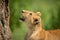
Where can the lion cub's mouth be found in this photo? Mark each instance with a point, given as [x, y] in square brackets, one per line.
[22, 19]
[35, 23]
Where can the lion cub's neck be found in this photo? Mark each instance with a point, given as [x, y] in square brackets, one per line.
[32, 28]
[35, 27]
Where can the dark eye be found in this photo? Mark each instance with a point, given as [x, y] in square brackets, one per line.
[30, 14]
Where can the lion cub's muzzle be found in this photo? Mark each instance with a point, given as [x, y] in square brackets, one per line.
[22, 18]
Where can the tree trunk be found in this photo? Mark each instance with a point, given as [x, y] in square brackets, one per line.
[5, 33]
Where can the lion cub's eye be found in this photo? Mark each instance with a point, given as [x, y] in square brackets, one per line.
[30, 14]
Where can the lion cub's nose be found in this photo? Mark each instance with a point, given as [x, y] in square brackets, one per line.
[23, 11]
[35, 19]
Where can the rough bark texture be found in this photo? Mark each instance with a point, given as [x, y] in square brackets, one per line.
[5, 33]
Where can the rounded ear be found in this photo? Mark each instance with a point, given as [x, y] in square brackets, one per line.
[38, 13]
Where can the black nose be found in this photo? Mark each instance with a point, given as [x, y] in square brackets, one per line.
[36, 20]
[23, 11]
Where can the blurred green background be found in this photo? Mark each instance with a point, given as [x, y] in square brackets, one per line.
[50, 10]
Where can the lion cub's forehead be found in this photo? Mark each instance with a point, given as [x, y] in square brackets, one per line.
[30, 12]
[33, 13]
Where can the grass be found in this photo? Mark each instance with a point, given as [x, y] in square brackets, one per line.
[19, 33]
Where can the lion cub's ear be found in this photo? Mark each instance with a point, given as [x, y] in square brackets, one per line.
[38, 13]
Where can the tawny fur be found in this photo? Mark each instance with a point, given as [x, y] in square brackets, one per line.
[36, 32]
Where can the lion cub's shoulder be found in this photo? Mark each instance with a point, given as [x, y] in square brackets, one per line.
[54, 32]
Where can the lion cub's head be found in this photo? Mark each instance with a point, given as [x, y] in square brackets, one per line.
[30, 17]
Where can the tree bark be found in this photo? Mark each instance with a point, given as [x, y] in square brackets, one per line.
[5, 32]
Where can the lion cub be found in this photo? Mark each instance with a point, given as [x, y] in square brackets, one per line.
[35, 30]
